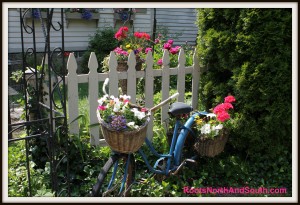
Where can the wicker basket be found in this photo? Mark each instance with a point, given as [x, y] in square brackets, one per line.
[211, 147]
[124, 141]
[122, 66]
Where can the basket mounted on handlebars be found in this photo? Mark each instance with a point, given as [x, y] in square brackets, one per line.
[124, 141]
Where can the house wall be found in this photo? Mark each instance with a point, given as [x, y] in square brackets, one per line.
[179, 21]
[78, 31]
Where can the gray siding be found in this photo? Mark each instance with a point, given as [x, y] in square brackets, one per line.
[78, 31]
[179, 20]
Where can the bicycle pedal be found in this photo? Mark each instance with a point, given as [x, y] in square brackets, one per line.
[190, 160]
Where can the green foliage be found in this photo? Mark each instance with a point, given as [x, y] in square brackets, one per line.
[247, 52]
[101, 43]
[17, 174]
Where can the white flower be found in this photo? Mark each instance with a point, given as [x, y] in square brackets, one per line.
[138, 114]
[219, 127]
[211, 115]
[132, 124]
[117, 107]
[205, 129]
[101, 100]
[125, 97]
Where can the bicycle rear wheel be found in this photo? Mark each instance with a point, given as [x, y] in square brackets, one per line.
[116, 177]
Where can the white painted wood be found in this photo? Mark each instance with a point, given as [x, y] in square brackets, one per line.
[149, 73]
[165, 84]
[181, 75]
[72, 94]
[149, 90]
[93, 97]
[131, 77]
[113, 75]
[195, 81]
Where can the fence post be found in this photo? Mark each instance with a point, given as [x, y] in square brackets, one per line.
[113, 75]
[149, 90]
[93, 97]
[131, 77]
[72, 94]
[181, 76]
[165, 86]
[195, 80]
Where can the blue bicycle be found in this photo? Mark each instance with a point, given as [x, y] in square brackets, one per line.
[118, 174]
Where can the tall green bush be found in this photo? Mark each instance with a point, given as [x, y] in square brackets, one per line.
[101, 43]
[248, 53]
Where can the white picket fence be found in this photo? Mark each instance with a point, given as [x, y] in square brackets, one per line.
[73, 79]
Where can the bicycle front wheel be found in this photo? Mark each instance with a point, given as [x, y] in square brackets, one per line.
[116, 177]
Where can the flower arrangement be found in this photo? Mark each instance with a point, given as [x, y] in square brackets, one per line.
[139, 42]
[120, 114]
[85, 13]
[212, 124]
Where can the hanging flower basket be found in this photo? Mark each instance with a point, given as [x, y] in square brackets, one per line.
[211, 147]
[124, 141]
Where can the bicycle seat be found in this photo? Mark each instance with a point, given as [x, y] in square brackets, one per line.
[179, 108]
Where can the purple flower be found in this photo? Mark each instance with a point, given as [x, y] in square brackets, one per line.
[118, 122]
[35, 13]
[147, 50]
[86, 14]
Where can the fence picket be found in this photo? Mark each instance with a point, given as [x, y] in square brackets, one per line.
[72, 94]
[93, 97]
[181, 76]
[131, 77]
[195, 80]
[113, 75]
[165, 84]
[149, 79]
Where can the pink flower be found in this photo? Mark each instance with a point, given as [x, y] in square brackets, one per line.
[170, 41]
[147, 50]
[126, 101]
[223, 116]
[144, 109]
[101, 107]
[156, 41]
[229, 99]
[167, 46]
[219, 108]
[175, 50]
[159, 62]
[227, 106]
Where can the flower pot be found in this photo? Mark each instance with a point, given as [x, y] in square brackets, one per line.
[211, 147]
[122, 67]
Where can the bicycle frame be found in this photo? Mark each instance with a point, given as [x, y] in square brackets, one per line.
[174, 156]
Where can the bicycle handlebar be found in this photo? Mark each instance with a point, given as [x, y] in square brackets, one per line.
[156, 107]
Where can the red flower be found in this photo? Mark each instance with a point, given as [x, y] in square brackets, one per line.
[138, 34]
[223, 116]
[229, 99]
[66, 54]
[121, 33]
